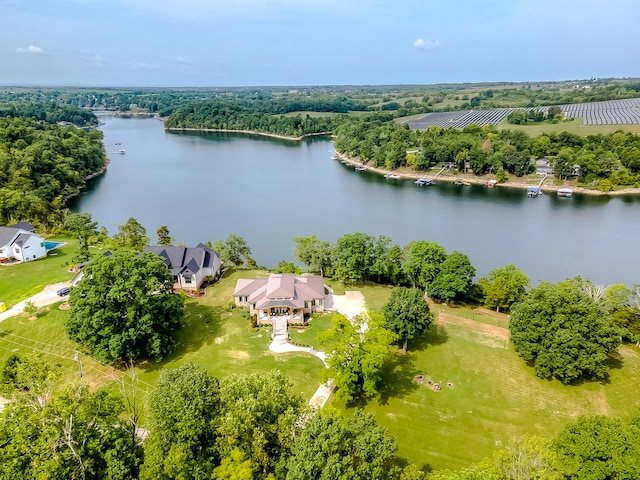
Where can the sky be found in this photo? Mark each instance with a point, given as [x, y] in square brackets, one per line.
[184, 43]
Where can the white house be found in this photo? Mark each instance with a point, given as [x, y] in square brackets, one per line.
[190, 266]
[20, 244]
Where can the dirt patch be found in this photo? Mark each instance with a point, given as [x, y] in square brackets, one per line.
[482, 328]
[239, 354]
[350, 304]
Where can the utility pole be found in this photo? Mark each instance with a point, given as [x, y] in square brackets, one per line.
[77, 359]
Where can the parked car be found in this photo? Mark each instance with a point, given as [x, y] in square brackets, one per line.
[63, 291]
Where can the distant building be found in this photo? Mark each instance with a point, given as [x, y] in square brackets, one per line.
[21, 243]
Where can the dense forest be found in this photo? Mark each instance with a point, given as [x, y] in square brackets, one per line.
[49, 112]
[41, 166]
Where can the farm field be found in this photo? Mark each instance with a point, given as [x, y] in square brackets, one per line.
[610, 114]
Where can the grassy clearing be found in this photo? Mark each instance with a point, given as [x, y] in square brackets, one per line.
[572, 126]
[495, 396]
[18, 282]
[304, 113]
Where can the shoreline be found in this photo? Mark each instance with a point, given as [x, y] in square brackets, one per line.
[248, 132]
[91, 176]
[480, 180]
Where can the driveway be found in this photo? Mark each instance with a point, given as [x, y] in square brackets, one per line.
[350, 304]
[46, 297]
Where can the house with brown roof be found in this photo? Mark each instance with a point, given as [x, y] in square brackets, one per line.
[281, 296]
[190, 266]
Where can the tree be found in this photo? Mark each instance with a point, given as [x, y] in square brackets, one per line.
[600, 448]
[422, 262]
[234, 251]
[353, 257]
[164, 237]
[125, 308]
[257, 416]
[328, 448]
[503, 287]
[454, 278]
[81, 225]
[359, 350]
[77, 435]
[407, 314]
[131, 235]
[182, 421]
[524, 458]
[314, 253]
[563, 332]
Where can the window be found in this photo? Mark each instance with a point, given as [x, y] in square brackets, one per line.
[306, 304]
[187, 279]
[313, 303]
[17, 250]
[320, 302]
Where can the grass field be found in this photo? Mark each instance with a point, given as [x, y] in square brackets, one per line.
[494, 397]
[23, 280]
[494, 394]
[572, 126]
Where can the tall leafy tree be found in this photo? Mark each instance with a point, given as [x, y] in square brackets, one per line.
[422, 262]
[131, 235]
[77, 435]
[359, 350]
[257, 416]
[234, 251]
[164, 236]
[503, 287]
[125, 308]
[563, 332]
[182, 421]
[314, 253]
[353, 257]
[600, 448]
[454, 279]
[81, 225]
[328, 448]
[407, 314]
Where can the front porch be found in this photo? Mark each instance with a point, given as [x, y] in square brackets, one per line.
[287, 314]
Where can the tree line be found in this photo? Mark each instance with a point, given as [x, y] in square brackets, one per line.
[595, 160]
[49, 112]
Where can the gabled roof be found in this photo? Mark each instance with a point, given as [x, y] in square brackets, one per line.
[9, 234]
[21, 239]
[24, 226]
[185, 260]
[280, 290]
[281, 286]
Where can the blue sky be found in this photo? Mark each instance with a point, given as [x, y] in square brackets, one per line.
[313, 42]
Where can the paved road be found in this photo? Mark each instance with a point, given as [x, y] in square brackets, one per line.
[46, 297]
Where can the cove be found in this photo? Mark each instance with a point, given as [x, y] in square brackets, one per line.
[206, 185]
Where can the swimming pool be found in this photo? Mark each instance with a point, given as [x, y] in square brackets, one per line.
[51, 245]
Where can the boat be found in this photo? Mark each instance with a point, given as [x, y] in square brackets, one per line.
[361, 169]
[459, 181]
[424, 181]
[335, 156]
[565, 192]
[533, 192]
[122, 151]
[491, 183]
[390, 176]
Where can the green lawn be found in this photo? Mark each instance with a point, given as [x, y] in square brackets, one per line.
[495, 396]
[23, 280]
[572, 126]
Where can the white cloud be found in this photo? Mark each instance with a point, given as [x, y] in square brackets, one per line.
[181, 60]
[30, 49]
[422, 44]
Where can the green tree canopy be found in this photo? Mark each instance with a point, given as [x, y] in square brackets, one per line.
[182, 421]
[234, 251]
[503, 287]
[407, 314]
[359, 349]
[314, 253]
[77, 435]
[422, 262]
[328, 448]
[353, 257]
[131, 235]
[164, 236]
[454, 279]
[124, 308]
[600, 448]
[81, 225]
[563, 332]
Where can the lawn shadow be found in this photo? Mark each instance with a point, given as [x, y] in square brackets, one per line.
[397, 378]
[435, 336]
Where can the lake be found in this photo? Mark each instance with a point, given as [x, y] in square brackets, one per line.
[204, 186]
